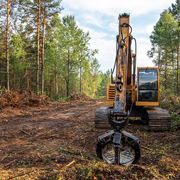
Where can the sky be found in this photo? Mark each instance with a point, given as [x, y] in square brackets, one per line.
[100, 18]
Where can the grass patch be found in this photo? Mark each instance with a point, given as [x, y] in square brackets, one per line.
[65, 98]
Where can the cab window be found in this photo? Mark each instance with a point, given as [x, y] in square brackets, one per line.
[148, 85]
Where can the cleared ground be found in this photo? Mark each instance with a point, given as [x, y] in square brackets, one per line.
[57, 141]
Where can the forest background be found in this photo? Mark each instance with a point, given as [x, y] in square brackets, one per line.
[51, 55]
[46, 54]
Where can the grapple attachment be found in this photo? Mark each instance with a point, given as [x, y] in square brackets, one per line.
[119, 148]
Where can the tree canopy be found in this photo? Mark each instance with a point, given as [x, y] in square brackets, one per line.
[165, 41]
[45, 53]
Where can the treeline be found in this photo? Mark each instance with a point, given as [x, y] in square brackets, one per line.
[45, 53]
[165, 40]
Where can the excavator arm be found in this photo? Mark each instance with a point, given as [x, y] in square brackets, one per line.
[121, 146]
[123, 85]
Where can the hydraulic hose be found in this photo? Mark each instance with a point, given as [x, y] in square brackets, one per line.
[134, 70]
[118, 45]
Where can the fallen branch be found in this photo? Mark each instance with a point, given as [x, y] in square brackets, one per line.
[81, 155]
[25, 132]
[39, 155]
[68, 165]
[146, 148]
[8, 164]
[54, 136]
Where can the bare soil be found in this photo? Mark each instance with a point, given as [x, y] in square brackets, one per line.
[57, 140]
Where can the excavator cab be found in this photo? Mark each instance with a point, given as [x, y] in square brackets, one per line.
[147, 86]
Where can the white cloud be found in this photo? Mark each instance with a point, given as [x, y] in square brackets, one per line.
[92, 19]
[142, 58]
[107, 49]
[113, 36]
[93, 33]
[143, 30]
[106, 54]
[149, 28]
[113, 26]
[99, 17]
[145, 41]
[143, 45]
[114, 7]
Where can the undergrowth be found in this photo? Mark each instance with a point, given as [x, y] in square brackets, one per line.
[171, 103]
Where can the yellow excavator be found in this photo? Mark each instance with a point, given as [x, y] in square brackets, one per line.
[125, 99]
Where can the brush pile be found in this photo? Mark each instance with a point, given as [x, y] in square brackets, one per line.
[80, 96]
[21, 98]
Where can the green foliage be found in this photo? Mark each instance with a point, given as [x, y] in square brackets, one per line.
[69, 64]
[175, 117]
[64, 99]
[165, 48]
[171, 103]
[102, 89]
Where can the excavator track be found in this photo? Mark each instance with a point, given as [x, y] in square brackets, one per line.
[158, 119]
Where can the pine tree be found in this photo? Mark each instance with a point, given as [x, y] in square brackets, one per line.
[175, 10]
[163, 40]
[50, 8]
[7, 11]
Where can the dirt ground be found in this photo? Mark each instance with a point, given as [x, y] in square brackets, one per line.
[57, 141]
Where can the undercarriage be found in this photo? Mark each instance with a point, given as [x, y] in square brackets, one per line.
[153, 118]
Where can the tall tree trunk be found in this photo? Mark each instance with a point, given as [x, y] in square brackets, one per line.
[65, 78]
[7, 48]
[54, 87]
[28, 81]
[165, 72]
[42, 68]
[177, 89]
[159, 57]
[82, 85]
[68, 73]
[173, 82]
[14, 84]
[37, 71]
[57, 88]
[94, 83]
[80, 71]
[56, 76]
